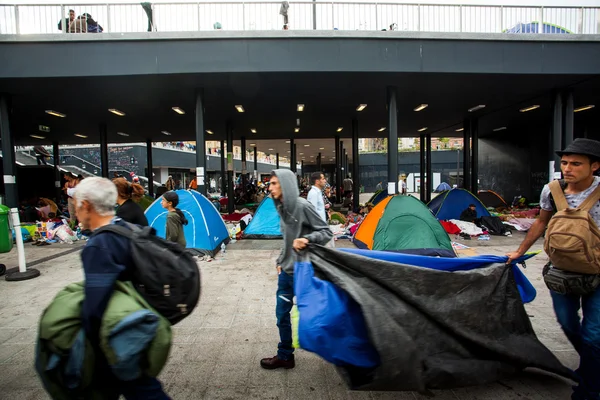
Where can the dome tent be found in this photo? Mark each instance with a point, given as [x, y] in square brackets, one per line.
[450, 204]
[205, 230]
[266, 223]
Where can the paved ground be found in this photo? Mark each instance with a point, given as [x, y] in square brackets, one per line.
[217, 349]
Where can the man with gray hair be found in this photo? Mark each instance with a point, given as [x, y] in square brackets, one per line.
[106, 258]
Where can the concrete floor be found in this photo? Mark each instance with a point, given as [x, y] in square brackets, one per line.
[217, 349]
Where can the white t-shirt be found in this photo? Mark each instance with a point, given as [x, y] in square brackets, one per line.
[315, 197]
[574, 200]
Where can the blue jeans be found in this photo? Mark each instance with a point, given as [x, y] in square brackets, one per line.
[285, 301]
[144, 388]
[584, 336]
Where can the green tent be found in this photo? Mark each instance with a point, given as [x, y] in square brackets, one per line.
[403, 224]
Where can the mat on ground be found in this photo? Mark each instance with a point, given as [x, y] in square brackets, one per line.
[415, 324]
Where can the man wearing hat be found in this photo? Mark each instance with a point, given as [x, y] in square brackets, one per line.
[580, 162]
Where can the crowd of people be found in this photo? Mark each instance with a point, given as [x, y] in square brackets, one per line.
[84, 23]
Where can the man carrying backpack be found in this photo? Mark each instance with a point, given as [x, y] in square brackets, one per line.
[106, 258]
[571, 212]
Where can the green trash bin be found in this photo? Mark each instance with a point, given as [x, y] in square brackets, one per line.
[6, 240]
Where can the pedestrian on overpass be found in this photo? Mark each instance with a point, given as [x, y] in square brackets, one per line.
[570, 209]
[300, 225]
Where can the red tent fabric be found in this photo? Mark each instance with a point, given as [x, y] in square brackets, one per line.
[451, 228]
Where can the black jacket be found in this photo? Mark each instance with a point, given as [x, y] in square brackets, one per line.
[132, 213]
[468, 215]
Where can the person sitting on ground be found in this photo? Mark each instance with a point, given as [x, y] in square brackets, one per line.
[128, 195]
[469, 214]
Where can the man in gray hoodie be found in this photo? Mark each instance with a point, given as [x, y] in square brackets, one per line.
[300, 225]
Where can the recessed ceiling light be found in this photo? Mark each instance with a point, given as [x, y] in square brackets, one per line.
[178, 110]
[584, 108]
[209, 132]
[460, 129]
[81, 136]
[479, 107]
[421, 107]
[56, 113]
[331, 159]
[122, 134]
[166, 133]
[270, 149]
[253, 130]
[339, 129]
[239, 107]
[287, 141]
[304, 158]
[288, 151]
[499, 129]
[321, 148]
[117, 112]
[300, 107]
[301, 154]
[381, 129]
[37, 137]
[423, 129]
[307, 145]
[361, 107]
[296, 130]
[529, 108]
[312, 156]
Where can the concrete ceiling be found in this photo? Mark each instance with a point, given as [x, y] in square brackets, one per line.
[270, 102]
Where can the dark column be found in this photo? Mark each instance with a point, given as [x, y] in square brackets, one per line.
[223, 173]
[230, 195]
[355, 165]
[8, 156]
[149, 167]
[343, 172]
[319, 162]
[568, 120]
[301, 168]
[256, 163]
[295, 152]
[392, 143]
[200, 144]
[422, 168]
[557, 127]
[474, 155]
[429, 165]
[347, 163]
[56, 157]
[277, 161]
[338, 171]
[467, 154]
[292, 147]
[244, 164]
[103, 150]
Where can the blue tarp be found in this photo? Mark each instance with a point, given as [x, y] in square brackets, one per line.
[526, 289]
[442, 187]
[534, 27]
[205, 230]
[266, 223]
[450, 204]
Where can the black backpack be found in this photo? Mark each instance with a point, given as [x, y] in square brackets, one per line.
[165, 274]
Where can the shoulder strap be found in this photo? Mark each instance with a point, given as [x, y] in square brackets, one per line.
[559, 197]
[119, 230]
[591, 200]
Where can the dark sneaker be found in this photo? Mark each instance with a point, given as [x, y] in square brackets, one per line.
[275, 362]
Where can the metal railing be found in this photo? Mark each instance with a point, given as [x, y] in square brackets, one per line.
[302, 15]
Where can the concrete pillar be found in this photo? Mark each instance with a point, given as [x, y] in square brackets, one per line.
[422, 168]
[103, 150]
[149, 167]
[292, 157]
[557, 127]
[223, 173]
[8, 156]
[200, 144]
[230, 192]
[319, 162]
[57, 185]
[338, 171]
[244, 166]
[569, 116]
[355, 165]
[467, 154]
[392, 142]
[276, 160]
[295, 165]
[256, 162]
[429, 168]
[474, 155]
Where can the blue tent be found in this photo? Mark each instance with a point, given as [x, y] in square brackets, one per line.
[205, 230]
[378, 196]
[266, 223]
[450, 204]
[442, 187]
[534, 27]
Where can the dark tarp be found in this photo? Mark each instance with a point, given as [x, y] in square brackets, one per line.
[432, 329]
[494, 225]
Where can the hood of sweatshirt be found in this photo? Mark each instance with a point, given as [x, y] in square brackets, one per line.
[287, 207]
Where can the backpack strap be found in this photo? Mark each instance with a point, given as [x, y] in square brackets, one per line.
[558, 195]
[591, 200]
[118, 229]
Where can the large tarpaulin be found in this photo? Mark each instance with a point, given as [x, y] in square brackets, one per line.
[417, 327]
